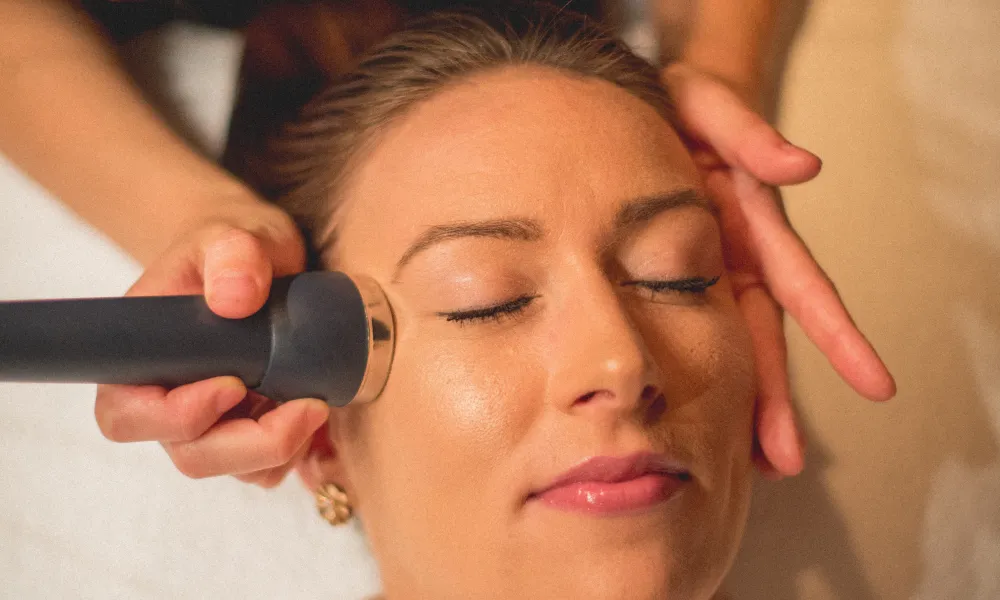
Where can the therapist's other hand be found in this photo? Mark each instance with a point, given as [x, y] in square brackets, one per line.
[216, 427]
[741, 157]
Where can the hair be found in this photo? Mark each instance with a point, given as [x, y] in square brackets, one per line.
[304, 166]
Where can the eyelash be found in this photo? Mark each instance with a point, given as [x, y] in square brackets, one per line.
[490, 313]
[694, 285]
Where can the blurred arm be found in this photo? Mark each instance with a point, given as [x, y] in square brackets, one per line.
[71, 119]
[730, 39]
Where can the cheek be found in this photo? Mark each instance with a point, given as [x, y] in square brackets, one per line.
[473, 393]
[707, 369]
[426, 453]
[708, 376]
[706, 363]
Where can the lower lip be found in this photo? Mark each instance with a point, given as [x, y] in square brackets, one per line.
[605, 498]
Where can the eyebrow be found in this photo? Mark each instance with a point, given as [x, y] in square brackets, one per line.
[641, 210]
[524, 230]
[635, 212]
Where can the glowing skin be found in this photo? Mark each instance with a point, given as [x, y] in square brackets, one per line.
[479, 415]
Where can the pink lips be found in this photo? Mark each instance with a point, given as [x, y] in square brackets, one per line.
[607, 485]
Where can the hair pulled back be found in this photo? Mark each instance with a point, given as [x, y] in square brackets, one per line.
[304, 166]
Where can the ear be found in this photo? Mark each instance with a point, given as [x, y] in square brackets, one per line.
[322, 463]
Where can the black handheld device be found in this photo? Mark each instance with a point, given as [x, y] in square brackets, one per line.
[322, 335]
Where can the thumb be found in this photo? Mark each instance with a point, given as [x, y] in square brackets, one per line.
[236, 271]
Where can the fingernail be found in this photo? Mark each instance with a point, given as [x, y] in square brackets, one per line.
[790, 148]
[785, 144]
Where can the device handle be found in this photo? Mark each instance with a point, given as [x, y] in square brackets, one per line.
[169, 341]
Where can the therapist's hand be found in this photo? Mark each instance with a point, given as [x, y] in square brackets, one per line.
[215, 427]
[741, 157]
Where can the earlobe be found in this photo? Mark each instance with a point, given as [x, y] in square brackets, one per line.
[322, 473]
[321, 463]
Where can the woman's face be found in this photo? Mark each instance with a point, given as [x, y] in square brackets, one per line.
[550, 260]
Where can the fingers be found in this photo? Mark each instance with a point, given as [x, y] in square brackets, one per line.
[763, 466]
[185, 421]
[231, 259]
[268, 478]
[714, 115]
[781, 451]
[271, 478]
[237, 273]
[231, 265]
[244, 446]
[147, 413]
[804, 290]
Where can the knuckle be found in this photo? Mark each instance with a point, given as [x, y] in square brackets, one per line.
[283, 449]
[187, 463]
[189, 427]
[189, 422]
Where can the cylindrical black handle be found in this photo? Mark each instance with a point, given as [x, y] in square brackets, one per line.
[321, 335]
[166, 341]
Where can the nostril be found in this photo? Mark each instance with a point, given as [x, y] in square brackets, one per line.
[657, 407]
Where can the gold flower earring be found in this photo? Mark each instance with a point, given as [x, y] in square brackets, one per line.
[333, 504]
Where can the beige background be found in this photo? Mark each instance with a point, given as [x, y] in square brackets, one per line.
[900, 501]
[902, 100]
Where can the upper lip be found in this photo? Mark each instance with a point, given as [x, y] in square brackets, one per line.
[615, 469]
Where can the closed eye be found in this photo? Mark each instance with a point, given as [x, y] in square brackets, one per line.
[489, 313]
[695, 285]
[691, 286]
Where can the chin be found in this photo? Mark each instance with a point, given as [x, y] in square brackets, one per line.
[674, 553]
[635, 580]
[649, 570]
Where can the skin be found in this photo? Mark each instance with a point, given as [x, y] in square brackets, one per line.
[477, 415]
[214, 236]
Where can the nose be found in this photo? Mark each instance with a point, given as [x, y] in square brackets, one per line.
[600, 365]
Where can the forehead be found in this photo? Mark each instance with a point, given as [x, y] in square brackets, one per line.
[519, 142]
